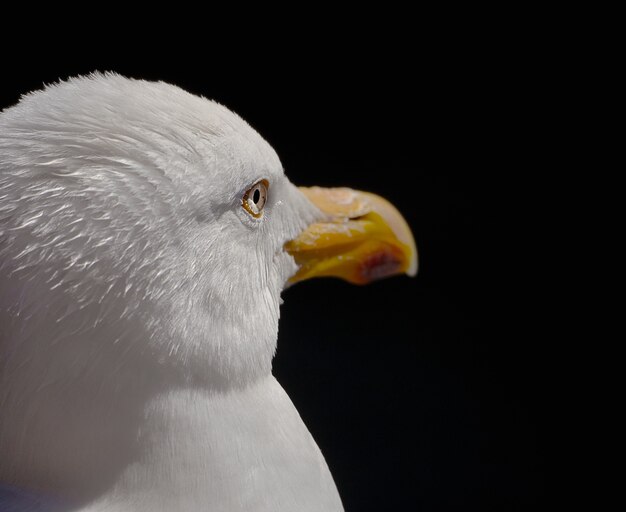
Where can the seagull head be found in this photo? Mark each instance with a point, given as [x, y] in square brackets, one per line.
[146, 235]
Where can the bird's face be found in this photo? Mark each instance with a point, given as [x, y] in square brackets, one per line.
[139, 220]
[234, 249]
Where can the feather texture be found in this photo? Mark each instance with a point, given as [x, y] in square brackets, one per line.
[139, 305]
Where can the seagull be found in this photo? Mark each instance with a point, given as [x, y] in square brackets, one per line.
[146, 235]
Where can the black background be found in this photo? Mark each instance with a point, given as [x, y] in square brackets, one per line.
[426, 393]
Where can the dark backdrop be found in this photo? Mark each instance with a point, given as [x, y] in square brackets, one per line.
[426, 393]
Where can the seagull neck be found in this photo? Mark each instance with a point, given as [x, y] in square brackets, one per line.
[79, 442]
[181, 448]
[201, 449]
[69, 436]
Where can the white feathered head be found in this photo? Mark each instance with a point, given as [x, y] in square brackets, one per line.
[141, 223]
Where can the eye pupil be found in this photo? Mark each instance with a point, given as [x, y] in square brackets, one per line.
[256, 196]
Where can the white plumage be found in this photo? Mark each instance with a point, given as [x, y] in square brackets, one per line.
[139, 306]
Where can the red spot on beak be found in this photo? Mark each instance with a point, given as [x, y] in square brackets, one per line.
[381, 264]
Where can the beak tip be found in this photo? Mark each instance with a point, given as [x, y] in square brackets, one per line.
[413, 266]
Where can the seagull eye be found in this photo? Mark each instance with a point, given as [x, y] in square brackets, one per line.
[255, 197]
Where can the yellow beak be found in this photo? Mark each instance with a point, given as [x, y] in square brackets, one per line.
[363, 239]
